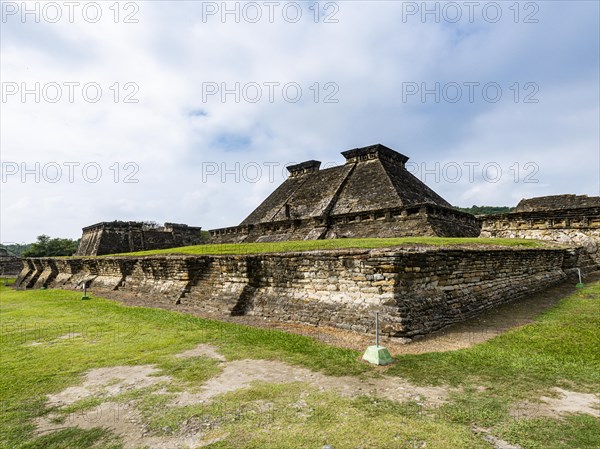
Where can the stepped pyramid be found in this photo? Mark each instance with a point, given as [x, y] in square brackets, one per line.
[371, 195]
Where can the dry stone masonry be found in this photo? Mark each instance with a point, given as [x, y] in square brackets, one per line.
[128, 236]
[568, 219]
[371, 195]
[417, 290]
[557, 202]
[10, 264]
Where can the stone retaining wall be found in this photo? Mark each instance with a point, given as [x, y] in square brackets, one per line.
[414, 221]
[579, 227]
[130, 236]
[10, 266]
[416, 290]
[557, 203]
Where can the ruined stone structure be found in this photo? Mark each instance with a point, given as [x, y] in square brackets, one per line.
[557, 202]
[127, 236]
[372, 195]
[416, 290]
[10, 264]
[568, 219]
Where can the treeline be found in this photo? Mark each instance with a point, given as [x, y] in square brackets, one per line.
[16, 248]
[204, 236]
[486, 210]
[49, 247]
[45, 246]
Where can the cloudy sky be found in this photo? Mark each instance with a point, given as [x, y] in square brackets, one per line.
[189, 111]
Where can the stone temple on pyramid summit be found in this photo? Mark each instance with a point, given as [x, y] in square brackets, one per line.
[371, 195]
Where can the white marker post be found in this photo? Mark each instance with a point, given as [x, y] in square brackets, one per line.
[85, 296]
[580, 285]
[377, 329]
[377, 355]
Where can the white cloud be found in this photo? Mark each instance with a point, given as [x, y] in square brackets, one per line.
[170, 133]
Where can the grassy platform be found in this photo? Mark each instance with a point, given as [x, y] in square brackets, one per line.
[312, 245]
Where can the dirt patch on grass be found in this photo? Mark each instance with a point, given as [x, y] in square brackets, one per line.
[241, 373]
[125, 419]
[202, 350]
[561, 403]
[52, 341]
[107, 382]
[122, 418]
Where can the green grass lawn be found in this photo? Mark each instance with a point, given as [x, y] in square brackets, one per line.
[561, 349]
[312, 245]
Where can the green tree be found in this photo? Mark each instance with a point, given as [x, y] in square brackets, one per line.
[16, 248]
[49, 247]
[204, 236]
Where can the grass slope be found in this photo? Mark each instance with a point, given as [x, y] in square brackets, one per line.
[312, 245]
[562, 348]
